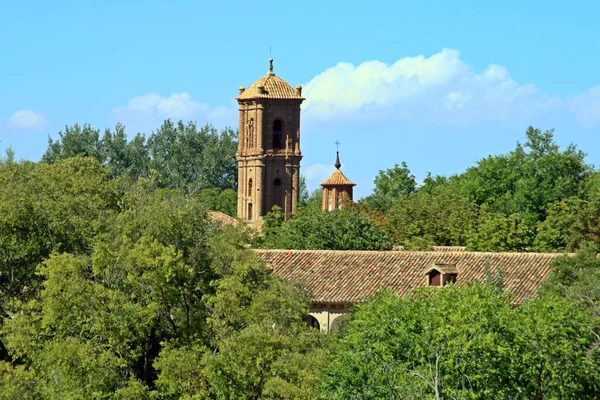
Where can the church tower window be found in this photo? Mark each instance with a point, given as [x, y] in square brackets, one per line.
[250, 138]
[249, 187]
[277, 134]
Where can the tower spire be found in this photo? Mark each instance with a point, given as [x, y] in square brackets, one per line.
[337, 164]
[271, 67]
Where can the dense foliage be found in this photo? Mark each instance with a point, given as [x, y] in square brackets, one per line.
[464, 343]
[159, 302]
[535, 198]
[182, 156]
[312, 229]
[115, 284]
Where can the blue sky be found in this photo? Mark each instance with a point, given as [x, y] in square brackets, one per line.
[437, 84]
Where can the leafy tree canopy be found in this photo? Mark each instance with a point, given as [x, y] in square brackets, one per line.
[184, 156]
[390, 185]
[463, 343]
[312, 229]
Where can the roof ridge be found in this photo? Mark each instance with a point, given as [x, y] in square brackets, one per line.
[511, 253]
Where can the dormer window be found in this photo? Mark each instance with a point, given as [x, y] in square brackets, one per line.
[441, 274]
[277, 134]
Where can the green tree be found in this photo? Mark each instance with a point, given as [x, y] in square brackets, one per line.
[193, 159]
[569, 225]
[9, 157]
[529, 178]
[219, 200]
[314, 201]
[440, 215]
[45, 208]
[390, 185]
[498, 232]
[337, 230]
[79, 339]
[184, 156]
[163, 304]
[463, 343]
[130, 159]
[578, 280]
[265, 348]
[75, 141]
[304, 193]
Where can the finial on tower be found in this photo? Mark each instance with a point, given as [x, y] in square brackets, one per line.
[337, 164]
[271, 67]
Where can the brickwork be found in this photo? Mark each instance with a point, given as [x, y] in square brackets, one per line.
[337, 190]
[269, 147]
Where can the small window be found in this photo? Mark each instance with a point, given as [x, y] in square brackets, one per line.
[249, 187]
[450, 278]
[435, 278]
[277, 134]
[250, 211]
[277, 182]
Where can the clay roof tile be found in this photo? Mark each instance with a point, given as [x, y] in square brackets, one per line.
[348, 277]
[338, 179]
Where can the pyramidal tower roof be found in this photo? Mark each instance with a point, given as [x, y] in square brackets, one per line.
[271, 86]
[338, 178]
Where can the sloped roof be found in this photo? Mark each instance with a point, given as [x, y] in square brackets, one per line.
[443, 268]
[222, 218]
[438, 248]
[273, 88]
[348, 277]
[338, 179]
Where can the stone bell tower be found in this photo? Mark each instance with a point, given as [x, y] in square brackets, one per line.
[268, 153]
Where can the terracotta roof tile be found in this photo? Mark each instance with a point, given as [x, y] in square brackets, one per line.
[274, 88]
[347, 277]
[437, 248]
[220, 217]
[443, 268]
[338, 179]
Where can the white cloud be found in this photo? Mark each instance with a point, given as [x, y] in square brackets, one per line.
[146, 112]
[27, 119]
[586, 107]
[317, 173]
[441, 88]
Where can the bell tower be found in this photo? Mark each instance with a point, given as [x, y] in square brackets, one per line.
[268, 153]
[337, 190]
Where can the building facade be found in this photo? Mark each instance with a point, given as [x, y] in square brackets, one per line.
[268, 153]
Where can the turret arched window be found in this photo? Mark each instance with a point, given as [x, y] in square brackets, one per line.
[250, 138]
[277, 134]
[250, 187]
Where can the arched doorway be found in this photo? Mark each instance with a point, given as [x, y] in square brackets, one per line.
[312, 322]
[337, 322]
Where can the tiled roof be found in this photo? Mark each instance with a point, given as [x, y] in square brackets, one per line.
[438, 248]
[347, 277]
[443, 268]
[220, 217]
[338, 179]
[274, 88]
